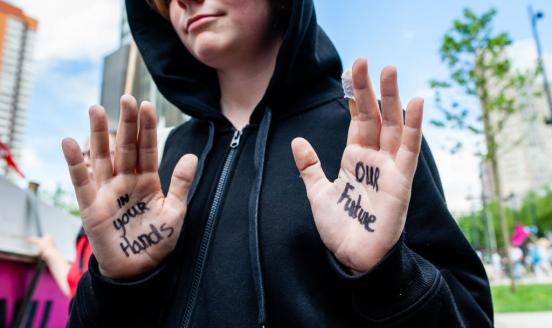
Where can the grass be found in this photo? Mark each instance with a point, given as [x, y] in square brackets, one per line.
[528, 298]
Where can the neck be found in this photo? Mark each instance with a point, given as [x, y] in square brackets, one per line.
[244, 84]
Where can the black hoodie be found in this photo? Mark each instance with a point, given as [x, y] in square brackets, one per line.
[249, 253]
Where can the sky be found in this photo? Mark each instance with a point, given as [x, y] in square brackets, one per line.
[75, 35]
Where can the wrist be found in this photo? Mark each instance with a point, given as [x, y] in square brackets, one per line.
[357, 262]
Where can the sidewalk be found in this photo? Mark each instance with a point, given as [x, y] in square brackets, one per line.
[524, 320]
[524, 281]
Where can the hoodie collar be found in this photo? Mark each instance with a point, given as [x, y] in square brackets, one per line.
[307, 72]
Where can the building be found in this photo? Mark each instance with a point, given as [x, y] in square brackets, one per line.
[124, 72]
[17, 39]
[525, 143]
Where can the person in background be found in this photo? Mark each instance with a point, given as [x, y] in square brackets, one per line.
[498, 271]
[544, 268]
[67, 274]
[516, 257]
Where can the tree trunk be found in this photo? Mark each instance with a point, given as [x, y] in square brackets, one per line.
[503, 219]
[492, 152]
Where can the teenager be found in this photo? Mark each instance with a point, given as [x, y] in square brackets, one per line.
[279, 203]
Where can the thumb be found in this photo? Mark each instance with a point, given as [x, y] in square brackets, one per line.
[308, 164]
[181, 181]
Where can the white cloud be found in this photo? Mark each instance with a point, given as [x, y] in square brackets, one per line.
[49, 174]
[79, 88]
[74, 29]
[460, 178]
[459, 172]
[30, 158]
[69, 31]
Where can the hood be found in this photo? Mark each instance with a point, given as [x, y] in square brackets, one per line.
[308, 68]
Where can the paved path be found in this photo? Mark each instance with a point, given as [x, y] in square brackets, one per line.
[524, 320]
[524, 281]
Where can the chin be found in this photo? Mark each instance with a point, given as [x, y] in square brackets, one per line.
[212, 50]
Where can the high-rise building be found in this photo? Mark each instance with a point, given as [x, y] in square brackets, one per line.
[525, 142]
[125, 73]
[17, 38]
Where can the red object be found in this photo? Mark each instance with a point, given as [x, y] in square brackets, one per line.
[5, 153]
[519, 235]
[80, 264]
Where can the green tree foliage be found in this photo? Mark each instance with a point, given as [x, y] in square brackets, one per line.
[479, 70]
[534, 210]
[62, 199]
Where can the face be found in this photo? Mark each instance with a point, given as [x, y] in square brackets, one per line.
[221, 32]
[86, 155]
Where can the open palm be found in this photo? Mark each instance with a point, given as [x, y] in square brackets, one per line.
[129, 222]
[361, 215]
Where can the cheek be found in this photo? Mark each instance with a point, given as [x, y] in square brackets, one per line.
[250, 15]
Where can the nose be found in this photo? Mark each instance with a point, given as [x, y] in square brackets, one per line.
[184, 4]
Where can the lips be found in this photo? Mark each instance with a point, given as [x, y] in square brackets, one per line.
[198, 18]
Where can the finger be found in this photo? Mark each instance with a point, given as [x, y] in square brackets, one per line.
[147, 139]
[308, 164]
[181, 182]
[100, 154]
[391, 112]
[407, 156]
[365, 126]
[125, 152]
[85, 189]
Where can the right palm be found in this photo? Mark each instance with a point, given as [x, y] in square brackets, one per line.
[130, 224]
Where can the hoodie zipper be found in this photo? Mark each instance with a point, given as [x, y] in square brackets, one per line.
[209, 227]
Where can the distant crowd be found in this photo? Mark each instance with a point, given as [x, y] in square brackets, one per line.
[531, 260]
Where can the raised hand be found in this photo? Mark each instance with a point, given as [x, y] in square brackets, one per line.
[361, 215]
[130, 224]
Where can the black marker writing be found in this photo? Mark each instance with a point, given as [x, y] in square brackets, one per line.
[136, 210]
[145, 240]
[121, 201]
[354, 209]
[369, 174]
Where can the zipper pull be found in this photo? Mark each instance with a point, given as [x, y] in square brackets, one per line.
[236, 139]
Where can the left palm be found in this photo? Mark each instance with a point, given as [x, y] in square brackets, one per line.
[361, 215]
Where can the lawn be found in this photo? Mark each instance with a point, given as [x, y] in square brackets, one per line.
[528, 298]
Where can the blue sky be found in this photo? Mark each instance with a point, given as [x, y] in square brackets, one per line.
[76, 34]
[407, 34]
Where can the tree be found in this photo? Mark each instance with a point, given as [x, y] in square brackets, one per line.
[535, 210]
[62, 199]
[480, 71]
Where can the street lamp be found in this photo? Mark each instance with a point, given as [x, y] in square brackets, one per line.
[534, 17]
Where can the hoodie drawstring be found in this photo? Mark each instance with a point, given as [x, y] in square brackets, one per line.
[254, 199]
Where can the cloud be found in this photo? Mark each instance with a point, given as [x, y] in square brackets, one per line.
[49, 174]
[59, 109]
[74, 29]
[76, 88]
[73, 37]
[460, 178]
